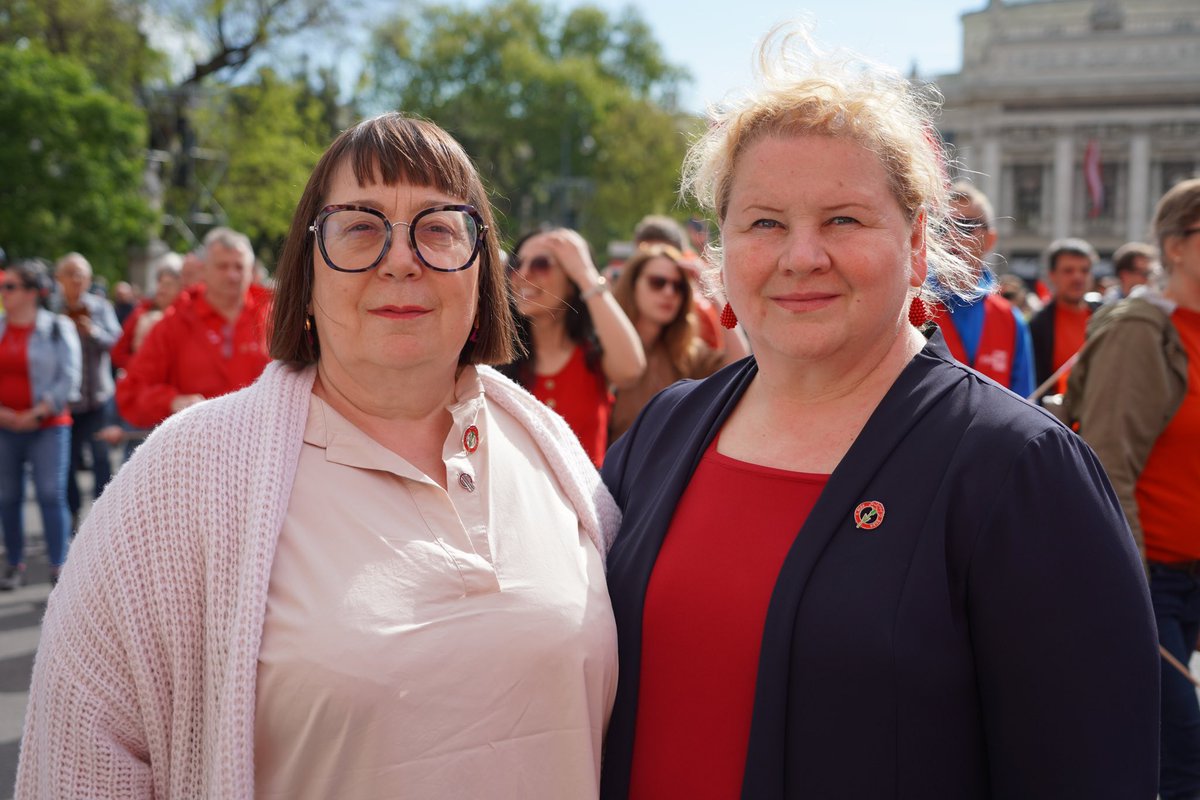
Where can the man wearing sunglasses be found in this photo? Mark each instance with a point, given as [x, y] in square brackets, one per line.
[209, 343]
[986, 333]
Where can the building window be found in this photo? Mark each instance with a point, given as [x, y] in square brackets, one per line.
[1028, 197]
[1175, 171]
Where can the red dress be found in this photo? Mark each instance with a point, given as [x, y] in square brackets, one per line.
[702, 624]
[580, 395]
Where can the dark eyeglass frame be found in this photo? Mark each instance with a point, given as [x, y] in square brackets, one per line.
[535, 264]
[330, 210]
[13, 286]
[657, 283]
[1186, 232]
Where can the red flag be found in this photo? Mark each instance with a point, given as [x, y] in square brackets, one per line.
[1091, 173]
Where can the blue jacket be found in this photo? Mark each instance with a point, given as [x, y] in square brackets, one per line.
[54, 359]
[992, 638]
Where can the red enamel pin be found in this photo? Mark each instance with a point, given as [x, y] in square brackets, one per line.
[868, 515]
[471, 439]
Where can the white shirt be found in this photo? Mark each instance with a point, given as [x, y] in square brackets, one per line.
[423, 642]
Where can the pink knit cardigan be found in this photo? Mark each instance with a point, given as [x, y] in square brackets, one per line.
[145, 676]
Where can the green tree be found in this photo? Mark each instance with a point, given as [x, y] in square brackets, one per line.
[569, 116]
[103, 35]
[71, 161]
[273, 130]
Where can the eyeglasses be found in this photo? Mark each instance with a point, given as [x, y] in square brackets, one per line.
[535, 264]
[357, 238]
[12, 286]
[657, 283]
[1186, 232]
[968, 226]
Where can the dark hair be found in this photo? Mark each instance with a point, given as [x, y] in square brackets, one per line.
[1129, 252]
[659, 229]
[1074, 246]
[33, 273]
[389, 149]
[578, 321]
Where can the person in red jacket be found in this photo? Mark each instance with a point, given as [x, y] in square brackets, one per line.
[167, 286]
[210, 342]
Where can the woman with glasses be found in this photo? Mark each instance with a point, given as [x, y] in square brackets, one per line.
[655, 294]
[40, 365]
[375, 573]
[577, 340]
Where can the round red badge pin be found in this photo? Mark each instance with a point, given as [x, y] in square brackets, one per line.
[868, 515]
[471, 439]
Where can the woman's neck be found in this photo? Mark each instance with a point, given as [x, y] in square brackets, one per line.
[1183, 290]
[21, 317]
[549, 335]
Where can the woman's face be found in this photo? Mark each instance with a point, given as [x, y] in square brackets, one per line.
[659, 291]
[539, 283]
[18, 299]
[400, 314]
[1183, 254]
[819, 256]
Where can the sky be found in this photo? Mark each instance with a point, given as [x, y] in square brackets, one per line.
[715, 39]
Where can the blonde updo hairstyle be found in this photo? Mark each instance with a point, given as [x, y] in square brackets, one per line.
[806, 92]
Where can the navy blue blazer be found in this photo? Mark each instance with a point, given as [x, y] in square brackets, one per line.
[992, 638]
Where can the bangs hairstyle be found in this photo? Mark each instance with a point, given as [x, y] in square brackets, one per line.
[390, 149]
[804, 91]
[678, 336]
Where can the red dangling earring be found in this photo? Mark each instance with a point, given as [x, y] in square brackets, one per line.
[728, 318]
[919, 312]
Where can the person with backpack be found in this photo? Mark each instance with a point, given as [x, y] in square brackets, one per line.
[1135, 394]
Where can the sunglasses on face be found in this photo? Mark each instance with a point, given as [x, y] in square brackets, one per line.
[657, 283]
[535, 264]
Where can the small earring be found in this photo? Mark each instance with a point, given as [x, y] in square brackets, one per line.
[308, 332]
[919, 312]
[728, 318]
[308, 324]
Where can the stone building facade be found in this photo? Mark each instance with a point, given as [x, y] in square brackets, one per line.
[1052, 91]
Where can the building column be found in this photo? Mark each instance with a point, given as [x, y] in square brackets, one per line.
[1064, 172]
[1138, 213]
[990, 167]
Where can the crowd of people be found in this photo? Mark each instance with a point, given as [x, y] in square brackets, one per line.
[777, 512]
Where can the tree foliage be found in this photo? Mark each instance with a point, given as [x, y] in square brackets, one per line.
[103, 35]
[71, 163]
[273, 130]
[570, 116]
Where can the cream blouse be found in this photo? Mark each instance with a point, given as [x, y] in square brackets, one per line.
[423, 642]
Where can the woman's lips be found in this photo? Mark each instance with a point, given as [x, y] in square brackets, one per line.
[804, 301]
[399, 312]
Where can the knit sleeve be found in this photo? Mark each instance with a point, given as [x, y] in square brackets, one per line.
[83, 733]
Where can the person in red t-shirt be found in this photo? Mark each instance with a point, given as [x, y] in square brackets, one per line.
[1058, 330]
[40, 365]
[578, 340]
[211, 342]
[1135, 396]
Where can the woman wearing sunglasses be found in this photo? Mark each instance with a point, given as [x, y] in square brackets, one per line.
[380, 570]
[655, 294]
[39, 375]
[577, 340]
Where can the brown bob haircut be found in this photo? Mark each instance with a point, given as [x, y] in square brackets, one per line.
[390, 149]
